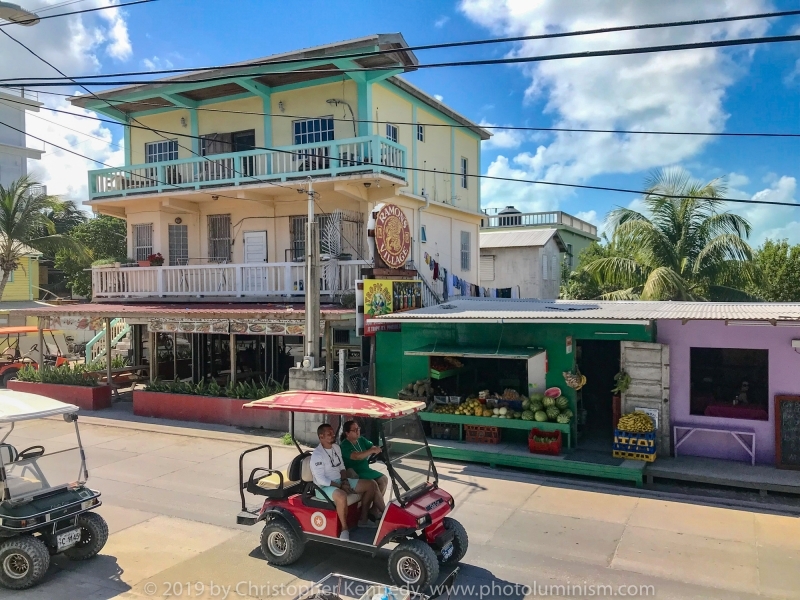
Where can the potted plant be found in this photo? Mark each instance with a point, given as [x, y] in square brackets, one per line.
[154, 260]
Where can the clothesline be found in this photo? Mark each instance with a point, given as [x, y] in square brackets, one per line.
[464, 287]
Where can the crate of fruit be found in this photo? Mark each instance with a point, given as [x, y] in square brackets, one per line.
[627, 441]
[482, 434]
[544, 442]
[444, 431]
[645, 456]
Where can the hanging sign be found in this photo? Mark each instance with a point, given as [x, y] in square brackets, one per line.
[392, 236]
[70, 323]
[188, 325]
[243, 327]
[386, 296]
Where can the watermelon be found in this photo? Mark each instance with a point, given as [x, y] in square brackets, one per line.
[562, 418]
[552, 392]
[548, 402]
[526, 404]
[569, 414]
[527, 415]
[540, 416]
[552, 413]
[562, 402]
[537, 396]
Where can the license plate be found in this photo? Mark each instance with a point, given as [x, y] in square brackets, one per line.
[447, 551]
[68, 539]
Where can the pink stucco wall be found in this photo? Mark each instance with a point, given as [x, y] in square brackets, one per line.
[784, 378]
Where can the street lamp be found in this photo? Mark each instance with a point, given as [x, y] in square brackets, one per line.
[17, 14]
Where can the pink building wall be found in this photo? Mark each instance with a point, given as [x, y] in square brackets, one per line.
[784, 378]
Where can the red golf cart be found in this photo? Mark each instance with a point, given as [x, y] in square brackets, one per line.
[12, 359]
[415, 521]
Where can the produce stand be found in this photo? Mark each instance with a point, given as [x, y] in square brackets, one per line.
[502, 423]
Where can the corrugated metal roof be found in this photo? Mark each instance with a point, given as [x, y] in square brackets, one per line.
[489, 309]
[519, 238]
[210, 310]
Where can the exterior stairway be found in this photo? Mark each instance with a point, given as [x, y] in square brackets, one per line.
[96, 347]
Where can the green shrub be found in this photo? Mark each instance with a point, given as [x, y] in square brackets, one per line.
[63, 375]
[241, 391]
[286, 439]
[117, 362]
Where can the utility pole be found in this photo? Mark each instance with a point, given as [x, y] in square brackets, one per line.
[312, 286]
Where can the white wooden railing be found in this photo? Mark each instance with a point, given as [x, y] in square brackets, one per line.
[232, 280]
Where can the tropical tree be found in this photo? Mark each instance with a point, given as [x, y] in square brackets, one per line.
[582, 285]
[685, 248]
[65, 215]
[25, 224]
[778, 265]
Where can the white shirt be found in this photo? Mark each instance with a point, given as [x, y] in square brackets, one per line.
[326, 464]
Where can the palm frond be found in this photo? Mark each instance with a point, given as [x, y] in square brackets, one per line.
[665, 284]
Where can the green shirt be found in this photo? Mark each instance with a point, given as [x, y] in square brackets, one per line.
[359, 466]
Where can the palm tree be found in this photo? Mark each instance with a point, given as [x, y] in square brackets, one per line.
[25, 223]
[686, 249]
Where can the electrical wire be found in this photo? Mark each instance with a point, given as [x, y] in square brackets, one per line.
[464, 63]
[80, 12]
[461, 44]
[447, 125]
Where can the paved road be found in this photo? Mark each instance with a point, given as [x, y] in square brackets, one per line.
[171, 499]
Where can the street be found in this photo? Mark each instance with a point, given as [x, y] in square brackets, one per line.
[171, 501]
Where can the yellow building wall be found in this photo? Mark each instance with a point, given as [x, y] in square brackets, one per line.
[169, 123]
[469, 148]
[312, 102]
[228, 122]
[26, 280]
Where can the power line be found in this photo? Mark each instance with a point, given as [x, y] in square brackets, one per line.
[446, 125]
[80, 12]
[463, 63]
[499, 40]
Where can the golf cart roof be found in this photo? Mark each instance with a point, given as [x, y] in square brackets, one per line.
[20, 329]
[22, 406]
[333, 403]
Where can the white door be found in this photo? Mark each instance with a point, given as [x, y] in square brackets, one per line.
[255, 246]
[647, 364]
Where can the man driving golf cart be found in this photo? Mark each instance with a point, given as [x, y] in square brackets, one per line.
[330, 476]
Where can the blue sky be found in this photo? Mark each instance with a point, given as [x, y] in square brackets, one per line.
[750, 89]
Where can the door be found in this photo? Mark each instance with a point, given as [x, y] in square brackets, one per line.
[255, 246]
[647, 364]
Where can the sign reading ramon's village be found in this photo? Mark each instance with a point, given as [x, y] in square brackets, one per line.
[392, 236]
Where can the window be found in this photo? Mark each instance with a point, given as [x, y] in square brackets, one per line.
[463, 172]
[729, 382]
[420, 133]
[423, 234]
[544, 267]
[297, 231]
[161, 151]
[465, 251]
[142, 241]
[309, 131]
[219, 238]
[487, 268]
[178, 245]
[391, 132]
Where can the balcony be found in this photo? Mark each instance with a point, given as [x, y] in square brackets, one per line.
[248, 281]
[368, 154]
[494, 219]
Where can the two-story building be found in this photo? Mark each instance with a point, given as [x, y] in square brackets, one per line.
[218, 166]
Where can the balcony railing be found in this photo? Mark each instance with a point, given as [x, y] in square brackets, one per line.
[372, 154]
[222, 280]
[491, 221]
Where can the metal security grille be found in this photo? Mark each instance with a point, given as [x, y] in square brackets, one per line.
[219, 238]
[487, 268]
[465, 251]
[161, 151]
[464, 173]
[142, 241]
[297, 228]
[178, 245]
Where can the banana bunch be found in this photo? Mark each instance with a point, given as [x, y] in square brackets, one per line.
[574, 380]
[635, 422]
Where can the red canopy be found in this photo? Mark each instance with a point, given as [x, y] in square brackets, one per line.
[333, 403]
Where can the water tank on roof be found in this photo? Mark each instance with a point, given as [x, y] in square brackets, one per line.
[509, 216]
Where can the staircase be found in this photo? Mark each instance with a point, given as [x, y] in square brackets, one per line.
[96, 347]
[432, 291]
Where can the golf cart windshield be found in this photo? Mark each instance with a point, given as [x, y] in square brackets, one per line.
[407, 453]
[38, 456]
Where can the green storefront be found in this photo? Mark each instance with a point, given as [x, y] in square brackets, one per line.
[494, 351]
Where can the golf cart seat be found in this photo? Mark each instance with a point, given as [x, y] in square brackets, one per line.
[270, 485]
[310, 498]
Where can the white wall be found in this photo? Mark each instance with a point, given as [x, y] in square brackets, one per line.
[522, 266]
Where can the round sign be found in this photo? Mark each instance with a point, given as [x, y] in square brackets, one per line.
[318, 521]
[392, 236]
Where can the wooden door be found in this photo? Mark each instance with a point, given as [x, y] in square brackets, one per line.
[255, 246]
[647, 364]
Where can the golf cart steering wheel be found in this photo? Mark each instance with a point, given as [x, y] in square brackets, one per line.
[375, 458]
[32, 452]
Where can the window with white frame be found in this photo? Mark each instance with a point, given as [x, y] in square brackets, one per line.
[142, 240]
[310, 131]
[423, 234]
[463, 172]
[391, 132]
[465, 251]
[420, 133]
[178, 245]
[161, 151]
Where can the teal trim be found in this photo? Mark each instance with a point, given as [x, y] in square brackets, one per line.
[364, 107]
[154, 111]
[127, 142]
[266, 103]
[304, 84]
[259, 89]
[195, 128]
[241, 96]
[427, 108]
[109, 112]
[414, 146]
[179, 101]
[453, 166]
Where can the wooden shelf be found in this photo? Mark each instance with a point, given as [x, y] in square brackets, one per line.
[564, 428]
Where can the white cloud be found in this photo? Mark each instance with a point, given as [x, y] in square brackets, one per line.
[774, 222]
[736, 180]
[441, 21]
[662, 91]
[590, 216]
[439, 97]
[119, 44]
[157, 64]
[502, 138]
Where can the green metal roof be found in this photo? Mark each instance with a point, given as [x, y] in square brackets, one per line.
[508, 352]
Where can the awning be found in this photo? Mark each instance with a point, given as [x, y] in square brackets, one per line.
[332, 403]
[507, 352]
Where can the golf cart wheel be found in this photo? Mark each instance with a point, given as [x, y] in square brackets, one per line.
[413, 565]
[23, 562]
[280, 543]
[94, 534]
[460, 540]
[8, 376]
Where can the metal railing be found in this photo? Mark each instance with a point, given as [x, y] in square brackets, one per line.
[373, 154]
[493, 220]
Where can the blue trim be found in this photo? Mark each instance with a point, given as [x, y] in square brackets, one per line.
[414, 146]
[127, 141]
[364, 107]
[195, 129]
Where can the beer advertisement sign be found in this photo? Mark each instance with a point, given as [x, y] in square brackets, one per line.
[386, 296]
